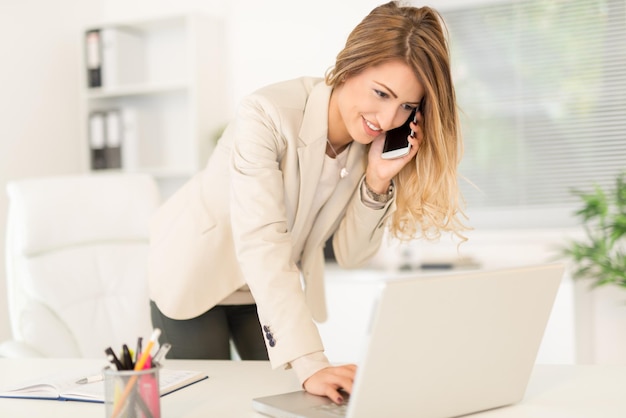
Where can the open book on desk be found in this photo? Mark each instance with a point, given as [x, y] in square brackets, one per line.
[64, 387]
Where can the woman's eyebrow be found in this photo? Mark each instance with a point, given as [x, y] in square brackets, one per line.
[392, 92]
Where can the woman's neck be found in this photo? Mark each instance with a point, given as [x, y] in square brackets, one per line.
[338, 135]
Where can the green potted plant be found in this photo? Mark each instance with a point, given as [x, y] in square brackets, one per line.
[601, 255]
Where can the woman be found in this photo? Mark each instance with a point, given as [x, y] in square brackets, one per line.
[301, 162]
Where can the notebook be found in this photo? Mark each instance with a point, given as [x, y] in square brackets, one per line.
[64, 387]
[442, 346]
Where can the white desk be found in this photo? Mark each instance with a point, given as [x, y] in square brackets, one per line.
[554, 391]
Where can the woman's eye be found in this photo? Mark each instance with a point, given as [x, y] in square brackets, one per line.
[381, 93]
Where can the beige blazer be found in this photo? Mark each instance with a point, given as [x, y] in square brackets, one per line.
[238, 220]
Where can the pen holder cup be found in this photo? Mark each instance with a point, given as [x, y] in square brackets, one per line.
[132, 394]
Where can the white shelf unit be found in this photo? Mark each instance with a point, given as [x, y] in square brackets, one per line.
[172, 113]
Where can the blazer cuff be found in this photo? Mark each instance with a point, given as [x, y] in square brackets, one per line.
[306, 366]
[371, 203]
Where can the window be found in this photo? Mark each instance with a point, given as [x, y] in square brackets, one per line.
[541, 85]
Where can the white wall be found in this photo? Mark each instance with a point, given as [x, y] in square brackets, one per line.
[39, 81]
[304, 41]
[40, 71]
[41, 76]
[268, 40]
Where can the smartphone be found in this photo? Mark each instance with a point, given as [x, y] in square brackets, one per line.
[396, 142]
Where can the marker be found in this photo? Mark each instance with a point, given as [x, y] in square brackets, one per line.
[149, 391]
[128, 358]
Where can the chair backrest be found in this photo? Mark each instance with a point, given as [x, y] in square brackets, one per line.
[76, 255]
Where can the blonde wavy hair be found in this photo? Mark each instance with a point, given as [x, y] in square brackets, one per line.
[428, 199]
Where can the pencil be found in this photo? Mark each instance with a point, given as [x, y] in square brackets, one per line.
[146, 353]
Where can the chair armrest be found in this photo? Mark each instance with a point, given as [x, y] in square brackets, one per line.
[17, 349]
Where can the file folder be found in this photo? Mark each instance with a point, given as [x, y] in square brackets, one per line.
[97, 140]
[113, 139]
[93, 58]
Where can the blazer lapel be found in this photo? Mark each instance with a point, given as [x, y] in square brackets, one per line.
[313, 134]
[313, 137]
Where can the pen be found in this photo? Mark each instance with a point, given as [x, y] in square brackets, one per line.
[138, 350]
[138, 366]
[160, 354]
[113, 358]
[90, 379]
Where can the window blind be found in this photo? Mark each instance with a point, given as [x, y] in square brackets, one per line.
[541, 85]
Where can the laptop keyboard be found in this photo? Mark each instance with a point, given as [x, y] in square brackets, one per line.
[334, 409]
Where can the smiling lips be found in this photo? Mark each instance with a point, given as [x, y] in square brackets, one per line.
[370, 128]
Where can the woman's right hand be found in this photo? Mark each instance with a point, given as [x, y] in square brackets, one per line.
[380, 171]
[329, 380]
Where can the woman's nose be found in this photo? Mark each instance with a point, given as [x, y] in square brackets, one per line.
[390, 119]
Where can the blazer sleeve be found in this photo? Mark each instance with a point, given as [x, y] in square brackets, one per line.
[361, 231]
[261, 232]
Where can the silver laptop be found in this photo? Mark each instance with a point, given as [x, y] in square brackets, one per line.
[442, 346]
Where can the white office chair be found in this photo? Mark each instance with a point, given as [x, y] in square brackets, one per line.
[76, 251]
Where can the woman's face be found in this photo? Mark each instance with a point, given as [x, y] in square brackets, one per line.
[372, 102]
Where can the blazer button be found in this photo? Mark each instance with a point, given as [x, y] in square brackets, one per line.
[269, 336]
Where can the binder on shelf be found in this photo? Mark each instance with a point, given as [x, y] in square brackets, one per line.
[130, 138]
[113, 139]
[123, 58]
[97, 140]
[93, 58]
